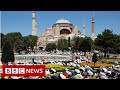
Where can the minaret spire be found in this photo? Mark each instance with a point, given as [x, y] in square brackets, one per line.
[83, 29]
[93, 22]
[93, 13]
[34, 24]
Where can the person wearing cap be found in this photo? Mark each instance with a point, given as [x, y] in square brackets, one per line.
[102, 74]
[104, 69]
[98, 71]
[65, 74]
[113, 75]
[88, 68]
[82, 69]
[32, 77]
[15, 77]
[61, 76]
[95, 75]
[68, 72]
[52, 71]
[48, 77]
[103, 77]
[85, 75]
[108, 73]
[89, 73]
[74, 77]
[118, 76]
[54, 77]
[47, 72]
[77, 71]
[118, 69]
[79, 76]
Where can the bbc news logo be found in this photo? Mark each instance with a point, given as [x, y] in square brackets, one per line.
[23, 70]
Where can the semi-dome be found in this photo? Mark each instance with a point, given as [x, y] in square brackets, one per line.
[63, 21]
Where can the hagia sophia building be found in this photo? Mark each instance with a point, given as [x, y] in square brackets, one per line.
[62, 28]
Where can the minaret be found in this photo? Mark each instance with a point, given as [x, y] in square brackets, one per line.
[34, 24]
[84, 30]
[93, 22]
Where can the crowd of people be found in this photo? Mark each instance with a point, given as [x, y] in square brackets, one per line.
[79, 72]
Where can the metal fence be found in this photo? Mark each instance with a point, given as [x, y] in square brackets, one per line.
[38, 58]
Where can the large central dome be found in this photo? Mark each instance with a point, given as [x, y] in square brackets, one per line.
[63, 21]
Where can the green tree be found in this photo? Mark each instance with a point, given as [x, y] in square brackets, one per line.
[116, 44]
[29, 41]
[14, 36]
[50, 47]
[32, 41]
[94, 58]
[75, 43]
[25, 42]
[62, 44]
[118, 48]
[105, 41]
[7, 53]
[69, 42]
[18, 45]
[2, 41]
[86, 44]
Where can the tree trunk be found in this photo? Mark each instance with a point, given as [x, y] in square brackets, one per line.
[105, 54]
[94, 64]
[84, 53]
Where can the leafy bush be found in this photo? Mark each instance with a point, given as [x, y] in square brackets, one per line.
[58, 67]
[110, 61]
[98, 64]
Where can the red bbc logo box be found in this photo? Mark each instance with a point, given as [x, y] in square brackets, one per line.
[23, 70]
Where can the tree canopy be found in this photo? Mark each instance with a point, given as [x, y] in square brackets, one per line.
[86, 44]
[1, 35]
[7, 52]
[108, 42]
[75, 43]
[50, 47]
[81, 44]
[19, 42]
[62, 44]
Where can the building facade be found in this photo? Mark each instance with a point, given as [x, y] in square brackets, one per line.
[61, 29]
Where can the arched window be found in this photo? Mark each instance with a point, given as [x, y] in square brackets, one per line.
[64, 31]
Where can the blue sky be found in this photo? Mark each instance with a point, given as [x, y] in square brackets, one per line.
[0, 21]
[21, 21]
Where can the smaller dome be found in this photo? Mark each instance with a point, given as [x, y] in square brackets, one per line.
[63, 21]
